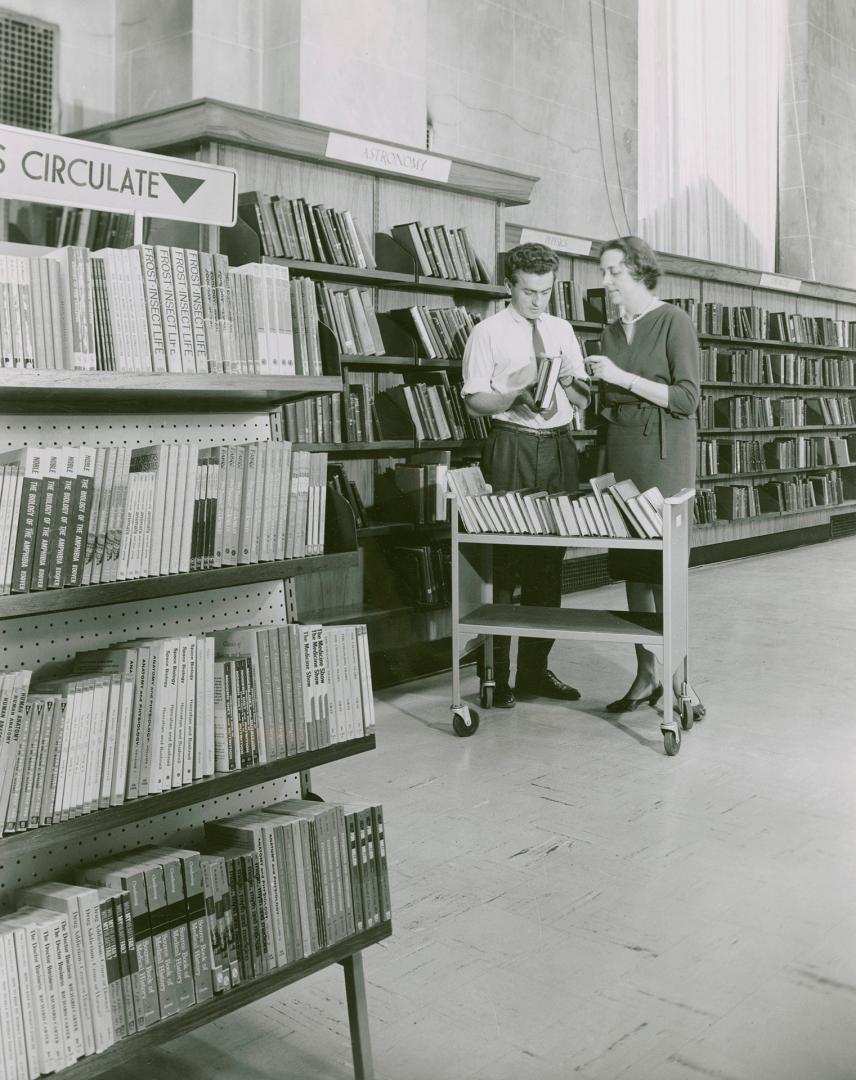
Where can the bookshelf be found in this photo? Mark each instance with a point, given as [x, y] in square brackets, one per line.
[706, 282]
[277, 155]
[42, 631]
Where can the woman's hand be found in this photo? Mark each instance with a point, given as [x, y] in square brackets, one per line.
[601, 367]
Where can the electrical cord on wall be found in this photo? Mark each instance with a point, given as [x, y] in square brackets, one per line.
[618, 230]
[799, 152]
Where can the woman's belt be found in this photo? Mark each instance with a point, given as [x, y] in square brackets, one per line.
[648, 415]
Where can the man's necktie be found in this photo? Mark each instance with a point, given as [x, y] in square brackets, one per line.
[550, 407]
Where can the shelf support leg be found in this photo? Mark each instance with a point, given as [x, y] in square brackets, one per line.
[358, 1016]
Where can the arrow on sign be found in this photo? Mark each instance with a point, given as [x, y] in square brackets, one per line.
[183, 186]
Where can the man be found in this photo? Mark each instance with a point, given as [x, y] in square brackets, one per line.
[527, 447]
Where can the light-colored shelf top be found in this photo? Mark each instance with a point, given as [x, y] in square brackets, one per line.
[23, 389]
[205, 120]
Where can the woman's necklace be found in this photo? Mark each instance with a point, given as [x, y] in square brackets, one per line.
[628, 320]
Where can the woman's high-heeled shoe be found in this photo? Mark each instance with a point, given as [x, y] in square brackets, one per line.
[630, 704]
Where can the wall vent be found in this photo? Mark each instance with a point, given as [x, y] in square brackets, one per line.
[27, 72]
[842, 525]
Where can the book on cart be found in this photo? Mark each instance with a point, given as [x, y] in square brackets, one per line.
[615, 509]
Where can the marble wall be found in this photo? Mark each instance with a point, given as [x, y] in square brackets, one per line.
[817, 159]
[547, 88]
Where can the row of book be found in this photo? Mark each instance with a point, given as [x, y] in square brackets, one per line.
[74, 515]
[316, 419]
[776, 369]
[154, 715]
[350, 314]
[86, 227]
[615, 508]
[424, 572]
[727, 456]
[441, 332]
[735, 501]
[413, 493]
[155, 308]
[293, 229]
[758, 323]
[567, 301]
[156, 931]
[754, 410]
[435, 411]
[441, 251]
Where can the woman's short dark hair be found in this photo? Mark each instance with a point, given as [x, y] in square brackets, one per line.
[639, 259]
[529, 259]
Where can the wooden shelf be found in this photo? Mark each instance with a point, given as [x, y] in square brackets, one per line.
[390, 279]
[355, 275]
[394, 362]
[391, 528]
[778, 346]
[777, 515]
[31, 390]
[383, 447]
[738, 432]
[719, 477]
[476, 289]
[122, 592]
[163, 1031]
[79, 829]
[565, 623]
[714, 385]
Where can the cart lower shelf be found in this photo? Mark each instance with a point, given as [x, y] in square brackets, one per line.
[564, 623]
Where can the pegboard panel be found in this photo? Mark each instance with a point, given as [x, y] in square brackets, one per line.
[182, 827]
[44, 643]
[205, 429]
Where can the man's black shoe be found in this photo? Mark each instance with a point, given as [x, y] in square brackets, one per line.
[503, 697]
[546, 685]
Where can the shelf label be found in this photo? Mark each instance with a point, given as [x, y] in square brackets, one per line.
[568, 245]
[37, 166]
[776, 281]
[396, 159]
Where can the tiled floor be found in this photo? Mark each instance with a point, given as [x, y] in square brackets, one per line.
[568, 901]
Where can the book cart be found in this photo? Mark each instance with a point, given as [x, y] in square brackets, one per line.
[474, 613]
[41, 631]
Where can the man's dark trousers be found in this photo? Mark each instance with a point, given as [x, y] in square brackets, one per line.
[517, 458]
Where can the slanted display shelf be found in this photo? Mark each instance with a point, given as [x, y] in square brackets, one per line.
[130, 1049]
[26, 390]
[123, 592]
[79, 829]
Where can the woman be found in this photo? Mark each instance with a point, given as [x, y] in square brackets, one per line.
[650, 374]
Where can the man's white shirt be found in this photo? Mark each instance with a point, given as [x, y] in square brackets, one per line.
[500, 357]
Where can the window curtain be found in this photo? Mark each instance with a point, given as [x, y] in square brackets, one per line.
[709, 75]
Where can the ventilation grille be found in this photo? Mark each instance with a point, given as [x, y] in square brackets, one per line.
[26, 73]
[842, 525]
[587, 572]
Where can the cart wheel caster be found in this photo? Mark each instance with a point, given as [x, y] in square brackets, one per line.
[671, 741]
[465, 722]
[486, 696]
[687, 714]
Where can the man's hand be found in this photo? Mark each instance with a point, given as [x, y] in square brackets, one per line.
[525, 400]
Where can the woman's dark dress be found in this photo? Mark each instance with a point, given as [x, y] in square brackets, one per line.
[650, 445]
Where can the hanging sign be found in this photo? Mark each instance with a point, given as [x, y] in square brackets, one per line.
[568, 245]
[776, 281]
[36, 166]
[396, 159]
